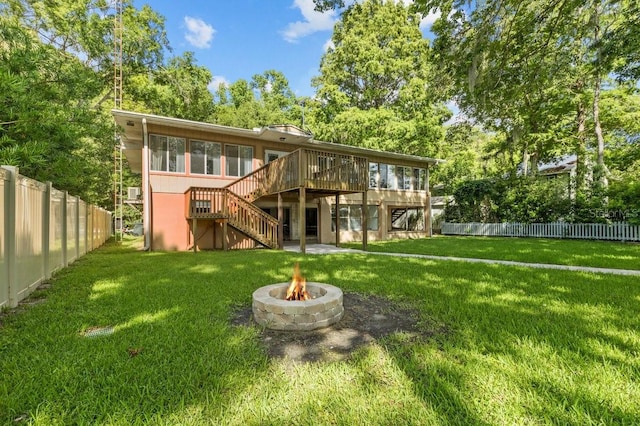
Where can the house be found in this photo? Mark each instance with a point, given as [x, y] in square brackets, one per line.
[206, 186]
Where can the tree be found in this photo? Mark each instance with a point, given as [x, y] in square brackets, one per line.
[49, 126]
[179, 89]
[56, 72]
[375, 87]
[266, 99]
[465, 150]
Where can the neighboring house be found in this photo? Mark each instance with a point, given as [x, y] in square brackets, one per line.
[564, 168]
[206, 186]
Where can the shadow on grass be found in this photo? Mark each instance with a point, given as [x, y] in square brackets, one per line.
[173, 311]
[600, 254]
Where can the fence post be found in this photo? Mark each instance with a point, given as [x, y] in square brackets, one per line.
[46, 230]
[77, 234]
[65, 218]
[10, 238]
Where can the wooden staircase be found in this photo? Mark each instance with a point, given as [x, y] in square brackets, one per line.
[316, 171]
[223, 204]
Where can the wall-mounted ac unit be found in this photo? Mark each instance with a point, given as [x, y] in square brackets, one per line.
[134, 193]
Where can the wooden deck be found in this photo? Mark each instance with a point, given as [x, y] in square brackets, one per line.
[315, 172]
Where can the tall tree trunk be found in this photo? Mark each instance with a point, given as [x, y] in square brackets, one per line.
[602, 175]
[582, 162]
[601, 169]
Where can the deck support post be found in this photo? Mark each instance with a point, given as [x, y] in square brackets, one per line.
[213, 231]
[365, 225]
[302, 220]
[224, 235]
[195, 232]
[280, 222]
[337, 220]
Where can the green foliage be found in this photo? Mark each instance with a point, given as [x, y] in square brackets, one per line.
[624, 201]
[179, 89]
[376, 83]
[465, 150]
[474, 201]
[519, 199]
[49, 128]
[266, 100]
[56, 87]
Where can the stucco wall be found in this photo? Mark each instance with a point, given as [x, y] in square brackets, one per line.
[168, 223]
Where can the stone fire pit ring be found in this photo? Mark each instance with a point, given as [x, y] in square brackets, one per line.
[271, 310]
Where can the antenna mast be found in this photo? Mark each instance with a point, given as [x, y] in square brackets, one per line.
[117, 104]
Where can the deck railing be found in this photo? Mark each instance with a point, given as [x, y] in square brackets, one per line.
[220, 203]
[339, 172]
[305, 168]
[313, 169]
[205, 203]
[278, 176]
[251, 220]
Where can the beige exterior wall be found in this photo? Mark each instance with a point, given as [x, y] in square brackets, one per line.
[171, 230]
[385, 200]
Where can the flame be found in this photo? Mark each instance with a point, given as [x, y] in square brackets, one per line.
[298, 288]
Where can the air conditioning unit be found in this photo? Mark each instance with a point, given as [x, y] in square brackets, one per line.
[134, 193]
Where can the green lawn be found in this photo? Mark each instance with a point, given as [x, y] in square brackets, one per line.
[521, 346]
[599, 254]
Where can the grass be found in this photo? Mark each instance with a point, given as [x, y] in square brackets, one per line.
[522, 346]
[598, 254]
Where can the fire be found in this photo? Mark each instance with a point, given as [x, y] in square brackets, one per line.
[298, 288]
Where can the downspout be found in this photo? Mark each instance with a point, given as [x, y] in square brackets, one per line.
[146, 202]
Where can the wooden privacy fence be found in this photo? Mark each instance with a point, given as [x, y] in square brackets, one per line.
[43, 230]
[589, 231]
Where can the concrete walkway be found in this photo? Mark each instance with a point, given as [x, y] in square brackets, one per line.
[329, 249]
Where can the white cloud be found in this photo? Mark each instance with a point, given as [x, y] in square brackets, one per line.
[329, 44]
[313, 21]
[427, 21]
[199, 33]
[216, 82]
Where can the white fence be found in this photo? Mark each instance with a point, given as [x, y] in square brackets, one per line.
[43, 230]
[590, 231]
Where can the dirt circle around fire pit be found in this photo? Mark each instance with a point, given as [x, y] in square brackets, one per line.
[367, 319]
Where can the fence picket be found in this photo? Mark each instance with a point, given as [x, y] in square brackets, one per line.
[618, 231]
[38, 231]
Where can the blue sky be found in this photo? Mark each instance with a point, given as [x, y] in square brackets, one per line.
[237, 39]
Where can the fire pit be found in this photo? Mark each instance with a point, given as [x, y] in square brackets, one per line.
[313, 305]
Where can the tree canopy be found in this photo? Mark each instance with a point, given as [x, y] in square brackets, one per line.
[375, 86]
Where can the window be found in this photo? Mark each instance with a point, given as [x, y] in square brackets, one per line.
[270, 155]
[372, 218]
[421, 179]
[167, 153]
[351, 218]
[388, 179]
[205, 158]
[407, 219]
[404, 175]
[373, 175]
[239, 160]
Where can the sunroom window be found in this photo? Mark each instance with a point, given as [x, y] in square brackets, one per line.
[205, 158]
[167, 153]
[239, 160]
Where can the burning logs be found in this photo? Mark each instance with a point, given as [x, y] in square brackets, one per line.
[298, 288]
